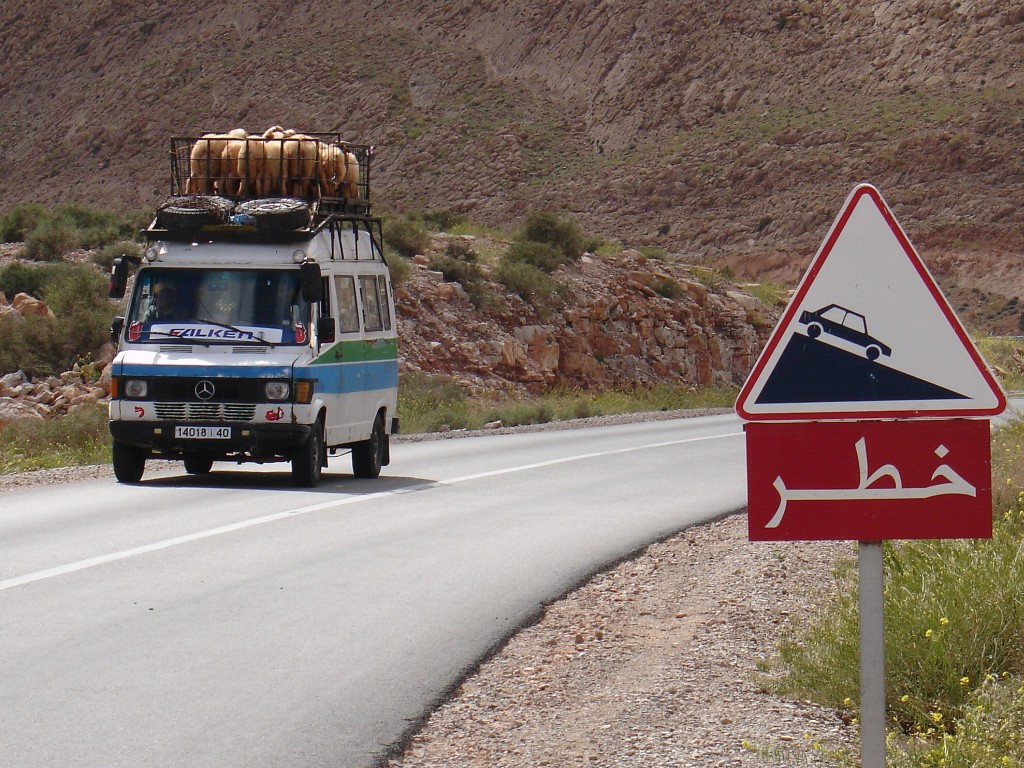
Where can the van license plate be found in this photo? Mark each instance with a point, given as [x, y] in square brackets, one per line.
[203, 433]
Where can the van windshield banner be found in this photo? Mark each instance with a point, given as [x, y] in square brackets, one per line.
[204, 332]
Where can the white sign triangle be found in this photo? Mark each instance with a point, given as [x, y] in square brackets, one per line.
[868, 334]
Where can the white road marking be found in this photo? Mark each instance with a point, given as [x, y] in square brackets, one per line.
[92, 562]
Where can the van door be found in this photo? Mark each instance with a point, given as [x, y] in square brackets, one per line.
[346, 421]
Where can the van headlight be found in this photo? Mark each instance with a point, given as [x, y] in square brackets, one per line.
[277, 390]
[136, 388]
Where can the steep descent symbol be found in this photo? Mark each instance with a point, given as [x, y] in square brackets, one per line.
[868, 334]
[836, 357]
[845, 324]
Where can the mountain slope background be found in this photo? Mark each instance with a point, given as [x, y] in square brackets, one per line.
[724, 134]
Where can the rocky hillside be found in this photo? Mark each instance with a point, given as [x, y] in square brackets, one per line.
[705, 128]
[726, 135]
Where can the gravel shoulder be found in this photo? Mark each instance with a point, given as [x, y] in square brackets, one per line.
[654, 662]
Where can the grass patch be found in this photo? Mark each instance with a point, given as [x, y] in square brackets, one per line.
[81, 437]
[432, 403]
[768, 293]
[1006, 357]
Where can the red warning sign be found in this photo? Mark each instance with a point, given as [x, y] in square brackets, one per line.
[868, 334]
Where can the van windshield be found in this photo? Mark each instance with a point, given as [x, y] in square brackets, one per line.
[210, 306]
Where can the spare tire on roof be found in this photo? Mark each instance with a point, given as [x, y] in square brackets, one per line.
[193, 211]
[276, 213]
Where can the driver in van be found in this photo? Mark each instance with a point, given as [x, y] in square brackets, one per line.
[164, 306]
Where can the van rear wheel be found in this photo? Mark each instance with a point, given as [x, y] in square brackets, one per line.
[129, 462]
[309, 458]
[368, 455]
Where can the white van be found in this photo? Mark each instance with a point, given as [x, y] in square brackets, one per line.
[264, 336]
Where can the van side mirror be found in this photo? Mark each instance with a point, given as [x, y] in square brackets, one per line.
[325, 329]
[118, 278]
[116, 326]
[310, 281]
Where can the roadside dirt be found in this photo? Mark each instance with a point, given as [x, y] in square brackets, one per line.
[653, 663]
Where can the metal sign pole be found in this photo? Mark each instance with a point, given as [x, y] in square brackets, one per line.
[872, 655]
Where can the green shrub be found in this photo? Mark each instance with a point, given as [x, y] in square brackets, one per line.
[18, 277]
[398, 264]
[16, 223]
[76, 293]
[461, 250]
[50, 233]
[456, 270]
[1006, 356]
[667, 287]
[654, 252]
[406, 236]
[531, 283]
[470, 276]
[563, 234]
[544, 256]
[105, 256]
[443, 221]
[97, 227]
[51, 240]
[990, 732]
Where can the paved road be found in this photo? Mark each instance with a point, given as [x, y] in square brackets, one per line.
[236, 621]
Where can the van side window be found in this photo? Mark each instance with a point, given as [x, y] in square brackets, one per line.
[348, 311]
[382, 296]
[371, 306]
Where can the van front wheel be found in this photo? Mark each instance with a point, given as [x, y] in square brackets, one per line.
[129, 462]
[368, 455]
[198, 465]
[309, 458]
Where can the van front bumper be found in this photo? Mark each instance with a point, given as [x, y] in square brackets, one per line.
[255, 440]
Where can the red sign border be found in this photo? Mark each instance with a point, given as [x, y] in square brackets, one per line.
[788, 318]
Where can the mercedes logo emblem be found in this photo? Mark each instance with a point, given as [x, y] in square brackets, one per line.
[204, 389]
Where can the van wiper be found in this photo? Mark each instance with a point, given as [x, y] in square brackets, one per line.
[252, 337]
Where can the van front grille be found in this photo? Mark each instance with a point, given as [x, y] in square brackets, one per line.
[205, 411]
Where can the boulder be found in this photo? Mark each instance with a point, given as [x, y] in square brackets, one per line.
[12, 410]
[29, 306]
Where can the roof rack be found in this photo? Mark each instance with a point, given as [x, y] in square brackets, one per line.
[305, 166]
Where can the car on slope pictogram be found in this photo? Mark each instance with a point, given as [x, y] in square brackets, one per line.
[844, 324]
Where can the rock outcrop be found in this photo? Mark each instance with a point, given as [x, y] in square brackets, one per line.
[24, 397]
[630, 322]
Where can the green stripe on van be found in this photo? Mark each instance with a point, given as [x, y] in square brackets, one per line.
[359, 351]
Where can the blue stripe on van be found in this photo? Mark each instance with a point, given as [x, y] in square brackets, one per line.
[331, 379]
[351, 377]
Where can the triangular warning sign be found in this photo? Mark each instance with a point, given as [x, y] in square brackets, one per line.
[868, 334]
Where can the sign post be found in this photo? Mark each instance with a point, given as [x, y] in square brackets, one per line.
[871, 596]
[867, 419]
